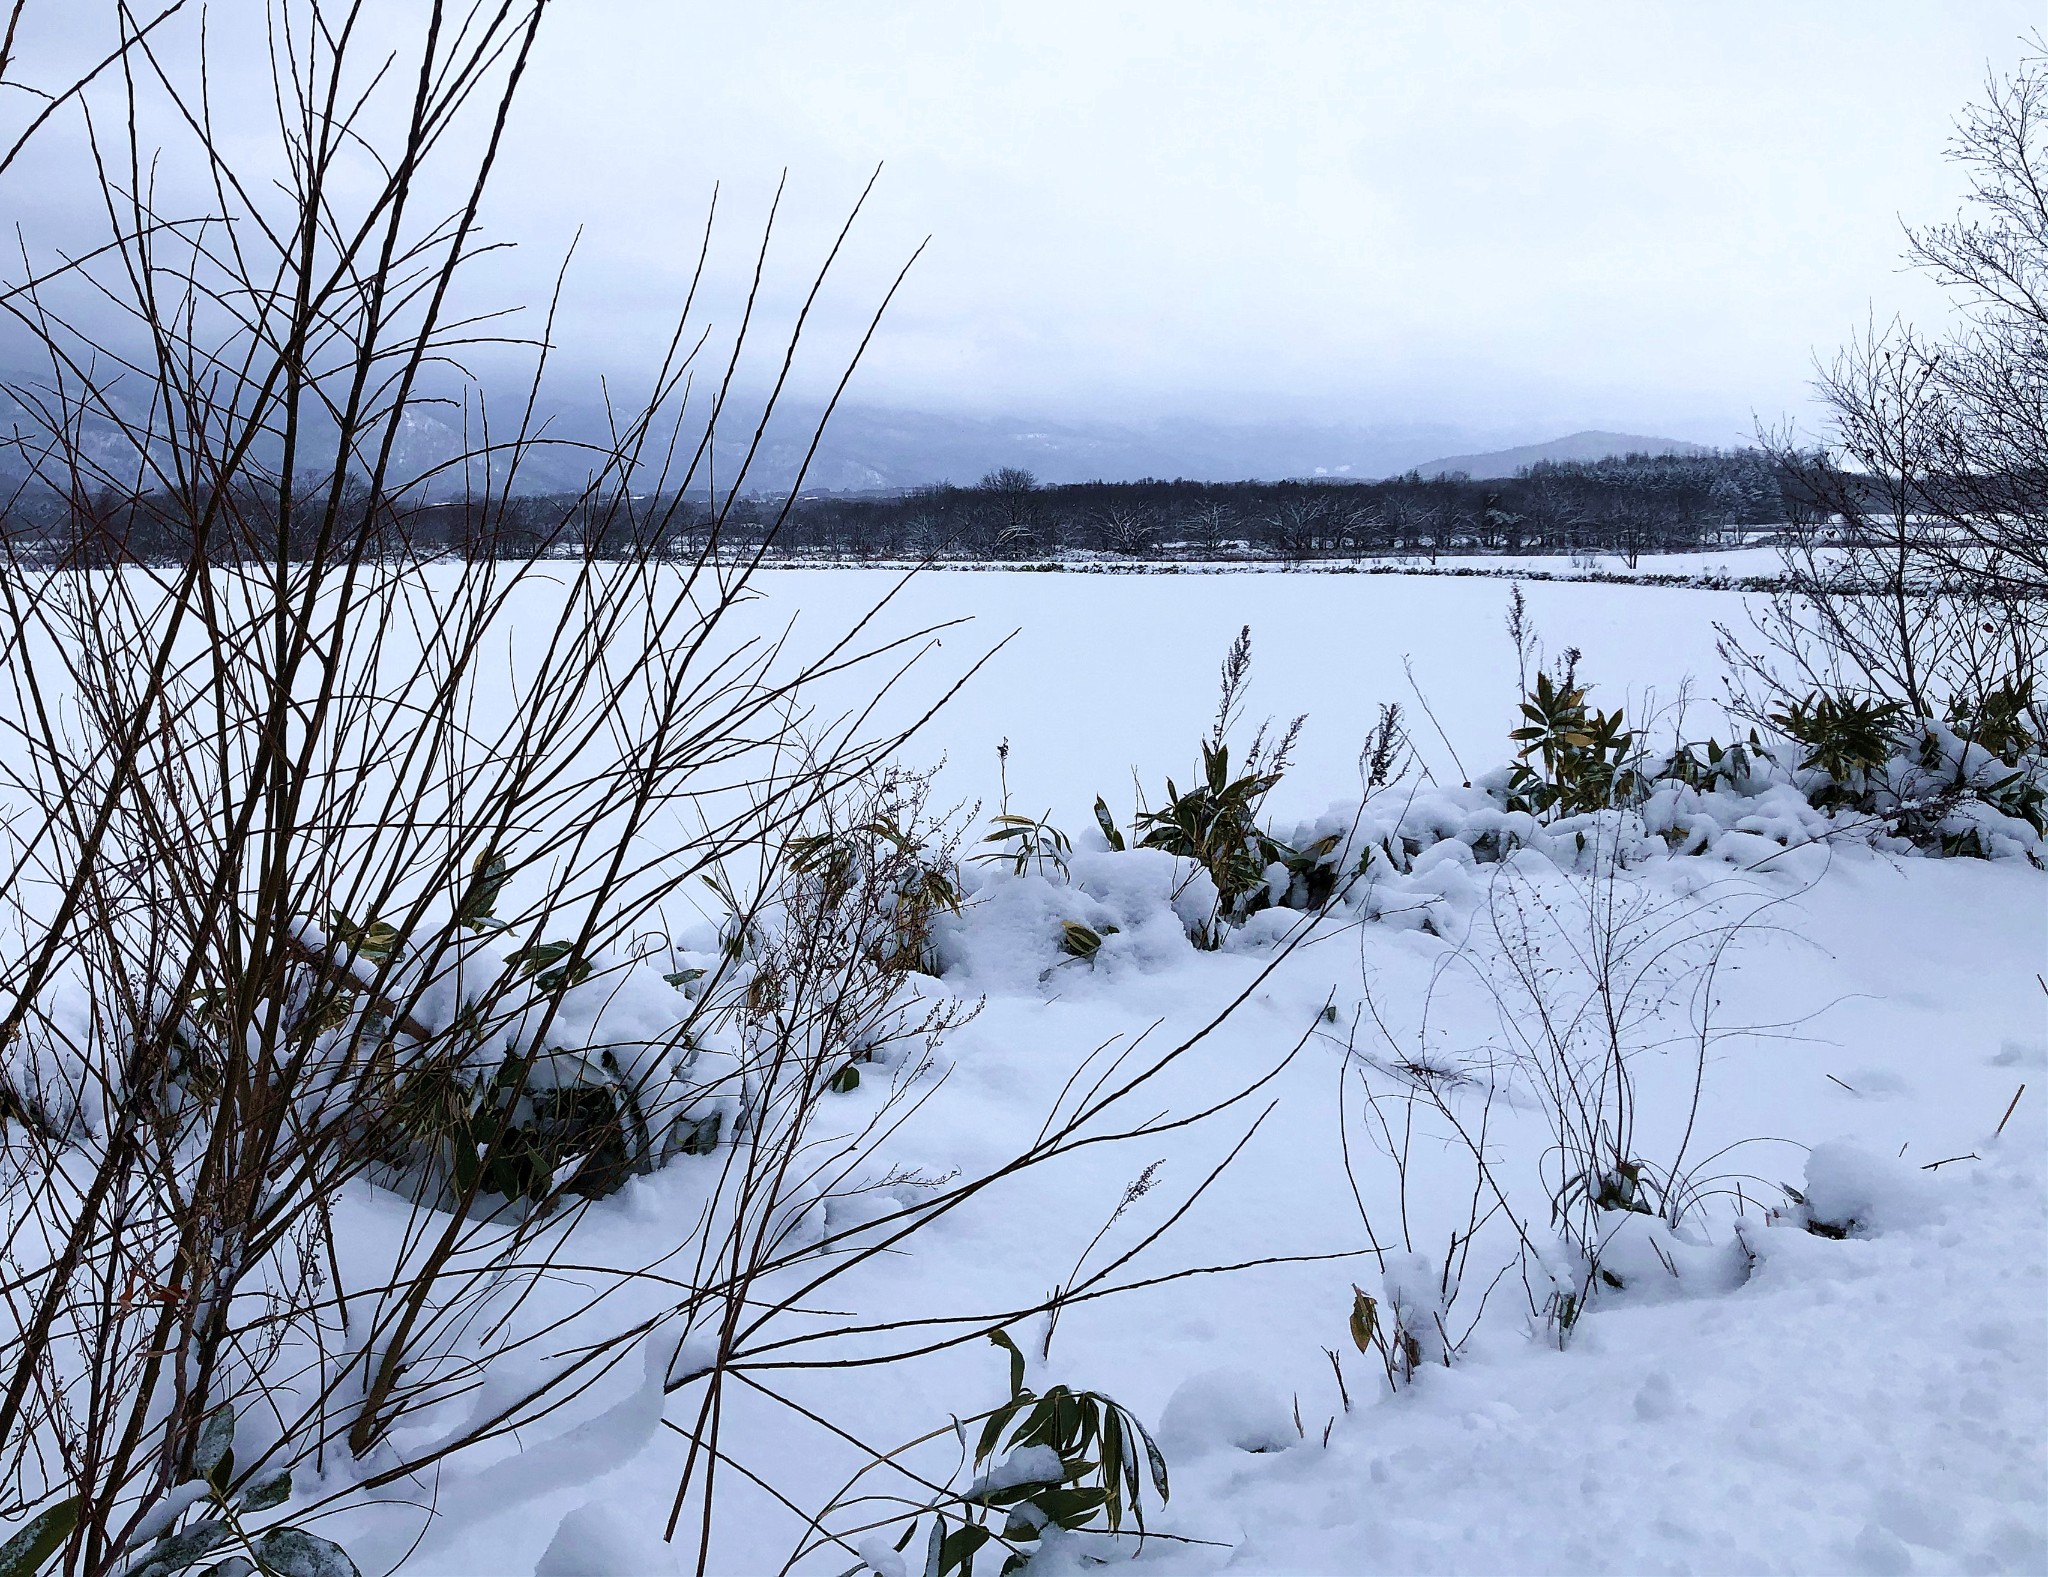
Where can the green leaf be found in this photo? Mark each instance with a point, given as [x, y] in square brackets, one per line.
[806, 853]
[1037, 1424]
[572, 969]
[37, 1539]
[175, 1551]
[684, 977]
[1310, 857]
[273, 1491]
[1002, 1340]
[1068, 1419]
[293, 1552]
[1071, 1508]
[699, 1136]
[846, 1080]
[1116, 1467]
[1078, 940]
[956, 1550]
[1365, 1319]
[992, 1430]
[466, 1166]
[216, 1435]
[1004, 1496]
[541, 954]
[1108, 825]
[1155, 1459]
[487, 878]
[375, 941]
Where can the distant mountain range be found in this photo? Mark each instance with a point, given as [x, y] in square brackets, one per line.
[875, 448]
[1577, 446]
[878, 449]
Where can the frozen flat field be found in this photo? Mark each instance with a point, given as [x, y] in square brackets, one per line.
[1103, 674]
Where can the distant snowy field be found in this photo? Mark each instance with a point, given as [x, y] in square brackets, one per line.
[1104, 674]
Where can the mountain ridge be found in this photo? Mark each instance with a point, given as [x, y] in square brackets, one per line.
[880, 448]
[1590, 444]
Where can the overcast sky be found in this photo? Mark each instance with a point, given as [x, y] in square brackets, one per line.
[1518, 213]
[1523, 217]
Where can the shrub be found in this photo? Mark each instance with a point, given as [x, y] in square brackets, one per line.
[1215, 824]
[1847, 737]
[890, 874]
[1707, 766]
[1581, 751]
[2000, 720]
[1075, 1461]
[210, 1526]
[1591, 975]
[1026, 843]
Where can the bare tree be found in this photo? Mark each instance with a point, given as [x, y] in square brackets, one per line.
[1125, 530]
[1871, 581]
[1918, 558]
[261, 811]
[1992, 378]
[1010, 505]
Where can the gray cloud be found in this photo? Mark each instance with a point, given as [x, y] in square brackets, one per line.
[1510, 218]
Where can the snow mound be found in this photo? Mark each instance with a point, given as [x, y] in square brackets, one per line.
[1872, 1406]
[1225, 1407]
[600, 1540]
[1851, 1192]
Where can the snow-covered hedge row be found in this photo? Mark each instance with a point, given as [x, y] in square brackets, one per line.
[1416, 854]
[1749, 808]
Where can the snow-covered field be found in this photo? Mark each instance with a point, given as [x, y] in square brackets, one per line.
[1104, 675]
[1800, 1404]
[1738, 1395]
[1876, 1404]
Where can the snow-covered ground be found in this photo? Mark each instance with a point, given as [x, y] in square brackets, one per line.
[1878, 1403]
[1875, 1404]
[1751, 1396]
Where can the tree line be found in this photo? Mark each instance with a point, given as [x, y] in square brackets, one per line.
[1627, 505]
[1630, 504]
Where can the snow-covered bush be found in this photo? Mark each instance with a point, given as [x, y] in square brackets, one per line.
[1407, 852]
[1052, 1467]
[200, 1526]
[1848, 1191]
[1212, 828]
[1585, 788]
[1947, 785]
